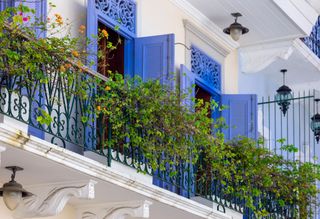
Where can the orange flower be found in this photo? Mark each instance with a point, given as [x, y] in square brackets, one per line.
[67, 65]
[79, 63]
[82, 28]
[59, 21]
[58, 16]
[98, 108]
[75, 53]
[105, 33]
[107, 88]
[62, 68]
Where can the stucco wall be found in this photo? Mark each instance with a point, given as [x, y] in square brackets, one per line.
[67, 213]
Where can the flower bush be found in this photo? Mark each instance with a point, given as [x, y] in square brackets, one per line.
[152, 117]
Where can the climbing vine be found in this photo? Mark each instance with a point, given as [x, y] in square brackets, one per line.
[152, 117]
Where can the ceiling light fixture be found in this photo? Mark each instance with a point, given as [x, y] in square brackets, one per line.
[12, 191]
[235, 30]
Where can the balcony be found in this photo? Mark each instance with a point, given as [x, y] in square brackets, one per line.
[55, 111]
[313, 41]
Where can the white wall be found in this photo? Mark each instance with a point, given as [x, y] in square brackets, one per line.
[67, 213]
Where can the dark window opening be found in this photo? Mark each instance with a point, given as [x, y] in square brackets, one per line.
[204, 95]
[112, 60]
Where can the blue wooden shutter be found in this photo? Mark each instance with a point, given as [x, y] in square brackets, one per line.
[154, 57]
[6, 4]
[92, 31]
[187, 83]
[241, 115]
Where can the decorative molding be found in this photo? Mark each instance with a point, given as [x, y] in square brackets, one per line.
[206, 26]
[2, 149]
[300, 12]
[50, 200]
[122, 12]
[13, 137]
[120, 210]
[254, 59]
[206, 68]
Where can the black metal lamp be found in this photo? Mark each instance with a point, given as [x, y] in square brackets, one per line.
[12, 192]
[283, 95]
[235, 30]
[315, 123]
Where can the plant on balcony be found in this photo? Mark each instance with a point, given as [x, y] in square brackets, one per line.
[148, 116]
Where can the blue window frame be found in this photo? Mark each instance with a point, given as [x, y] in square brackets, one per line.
[117, 13]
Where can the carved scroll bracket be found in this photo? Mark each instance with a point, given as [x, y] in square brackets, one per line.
[49, 200]
[119, 210]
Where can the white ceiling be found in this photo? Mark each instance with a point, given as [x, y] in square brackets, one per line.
[264, 19]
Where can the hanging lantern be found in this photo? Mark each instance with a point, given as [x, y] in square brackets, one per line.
[315, 123]
[283, 95]
[235, 30]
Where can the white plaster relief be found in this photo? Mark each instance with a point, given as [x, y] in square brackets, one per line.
[51, 200]
[256, 58]
[2, 149]
[133, 209]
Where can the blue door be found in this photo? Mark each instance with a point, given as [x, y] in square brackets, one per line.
[240, 115]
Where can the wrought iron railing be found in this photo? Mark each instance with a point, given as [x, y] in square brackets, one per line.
[214, 190]
[313, 41]
[294, 128]
[27, 98]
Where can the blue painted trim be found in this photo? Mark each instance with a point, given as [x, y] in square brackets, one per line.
[204, 68]
[93, 17]
[41, 12]
[123, 31]
[129, 57]
[110, 12]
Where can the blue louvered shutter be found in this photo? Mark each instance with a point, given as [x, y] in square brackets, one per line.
[154, 57]
[240, 115]
[154, 60]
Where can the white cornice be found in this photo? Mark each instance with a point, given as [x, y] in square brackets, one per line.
[206, 25]
[13, 137]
